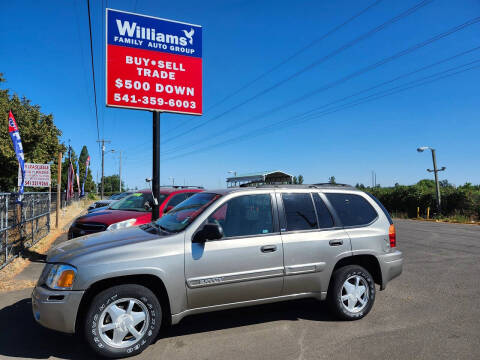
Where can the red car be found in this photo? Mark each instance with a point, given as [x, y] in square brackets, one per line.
[135, 209]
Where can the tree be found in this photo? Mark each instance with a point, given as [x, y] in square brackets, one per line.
[89, 183]
[297, 180]
[40, 137]
[111, 184]
[331, 180]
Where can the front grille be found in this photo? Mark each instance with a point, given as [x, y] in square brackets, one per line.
[80, 229]
[94, 227]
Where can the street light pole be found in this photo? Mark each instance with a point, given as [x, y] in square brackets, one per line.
[435, 171]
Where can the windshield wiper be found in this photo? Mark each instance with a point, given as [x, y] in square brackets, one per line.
[163, 228]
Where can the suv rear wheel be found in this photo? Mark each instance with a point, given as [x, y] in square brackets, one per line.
[352, 292]
[123, 320]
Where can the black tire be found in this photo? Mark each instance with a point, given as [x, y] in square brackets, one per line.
[336, 291]
[151, 325]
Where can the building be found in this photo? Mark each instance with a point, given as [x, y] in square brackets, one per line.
[255, 179]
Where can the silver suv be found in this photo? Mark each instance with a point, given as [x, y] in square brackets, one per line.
[217, 250]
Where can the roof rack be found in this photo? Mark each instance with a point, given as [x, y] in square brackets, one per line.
[306, 186]
[182, 186]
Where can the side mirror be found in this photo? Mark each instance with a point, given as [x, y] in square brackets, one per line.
[147, 206]
[167, 209]
[208, 232]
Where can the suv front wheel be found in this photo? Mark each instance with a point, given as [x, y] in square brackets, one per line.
[123, 320]
[352, 292]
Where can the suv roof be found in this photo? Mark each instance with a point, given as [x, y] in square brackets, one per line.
[284, 186]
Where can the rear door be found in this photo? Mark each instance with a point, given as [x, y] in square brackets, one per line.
[367, 230]
[246, 264]
[313, 241]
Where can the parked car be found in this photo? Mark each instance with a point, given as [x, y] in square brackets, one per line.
[219, 250]
[134, 209]
[100, 204]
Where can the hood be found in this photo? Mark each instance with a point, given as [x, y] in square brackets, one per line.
[67, 251]
[109, 216]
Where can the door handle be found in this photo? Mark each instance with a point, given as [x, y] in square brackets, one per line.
[268, 248]
[336, 242]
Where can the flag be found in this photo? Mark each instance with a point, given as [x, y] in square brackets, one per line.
[17, 146]
[69, 193]
[78, 179]
[87, 163]
[70, 181]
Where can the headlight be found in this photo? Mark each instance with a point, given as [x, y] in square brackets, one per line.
[61, 277]
[122, 224]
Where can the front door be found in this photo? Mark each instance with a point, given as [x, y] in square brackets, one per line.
[246, 264]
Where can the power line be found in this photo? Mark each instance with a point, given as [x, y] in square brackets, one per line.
[388, 92]
[312, 65]
[423, 68]
[294, 55]
[93, 68]
[288, 59]
[339, 81]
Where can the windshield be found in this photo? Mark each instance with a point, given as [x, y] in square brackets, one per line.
[184, 213]
[119, 196]
[137, 202]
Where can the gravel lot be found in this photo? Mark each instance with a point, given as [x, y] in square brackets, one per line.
[432, 311]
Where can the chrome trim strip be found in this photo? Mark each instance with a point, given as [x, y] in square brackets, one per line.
[221, 279]
[304, 268]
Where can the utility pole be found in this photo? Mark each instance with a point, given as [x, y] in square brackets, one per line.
[156, 165]
[120, 172]
[435, 171]
[103, 141]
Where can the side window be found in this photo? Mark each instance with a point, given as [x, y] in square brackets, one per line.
[325, 219]
[245, 215]
[299, 211]
[175, 200]
[353, 210]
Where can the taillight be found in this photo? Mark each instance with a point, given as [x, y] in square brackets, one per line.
[392, 236]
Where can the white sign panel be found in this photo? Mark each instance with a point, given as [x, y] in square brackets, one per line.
[36, 175]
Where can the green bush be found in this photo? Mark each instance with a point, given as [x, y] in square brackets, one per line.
[462, 202]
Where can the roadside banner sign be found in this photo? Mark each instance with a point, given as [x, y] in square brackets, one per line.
[153, 64]
[36, 175]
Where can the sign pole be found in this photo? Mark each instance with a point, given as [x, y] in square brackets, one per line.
[59, 188]
[156, 165]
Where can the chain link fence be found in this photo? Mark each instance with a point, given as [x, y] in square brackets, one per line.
[23, 225]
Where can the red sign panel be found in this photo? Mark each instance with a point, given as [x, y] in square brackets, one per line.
[153, 64]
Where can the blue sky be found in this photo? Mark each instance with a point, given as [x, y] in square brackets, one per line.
[46, 57]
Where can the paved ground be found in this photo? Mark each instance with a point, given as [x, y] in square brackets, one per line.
[431, 312]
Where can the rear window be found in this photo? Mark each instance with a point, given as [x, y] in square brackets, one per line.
[353, 210]
[381, 207]
[299, 211]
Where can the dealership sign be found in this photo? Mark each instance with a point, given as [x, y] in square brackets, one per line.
[36, 175]
[153, 64]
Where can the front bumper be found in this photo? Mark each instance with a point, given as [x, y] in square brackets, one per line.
[391, 265]
[56, 310]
